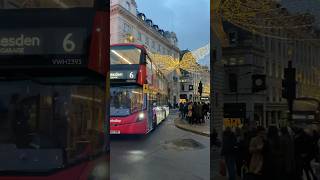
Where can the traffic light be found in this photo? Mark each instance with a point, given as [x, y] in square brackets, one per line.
[258, 82]
[285, 89]
[289, 83]
[200, 88]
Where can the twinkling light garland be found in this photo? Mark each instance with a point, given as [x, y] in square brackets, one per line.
[267, 18]
[189, 61]
[201, 52]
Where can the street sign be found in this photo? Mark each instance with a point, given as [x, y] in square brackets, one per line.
[145, 88]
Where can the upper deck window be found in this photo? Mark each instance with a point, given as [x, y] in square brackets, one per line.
[125, 55]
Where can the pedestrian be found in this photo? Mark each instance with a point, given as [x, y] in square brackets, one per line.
[274, 158]
[194, 113]
[257, 151]
[185, 110]
[200, 113]
[244, 154]
[239, 153]
[228, 151]
[299, 151]
[190, 113]
[181, 109]
[309, 154]
[287, 148]
[205, 111]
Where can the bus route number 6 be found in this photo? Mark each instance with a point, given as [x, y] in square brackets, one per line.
[68, 44]
[131, 76]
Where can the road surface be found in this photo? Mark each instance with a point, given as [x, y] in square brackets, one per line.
[168, 153]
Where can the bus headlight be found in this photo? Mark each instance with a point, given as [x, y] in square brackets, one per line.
[141, 116]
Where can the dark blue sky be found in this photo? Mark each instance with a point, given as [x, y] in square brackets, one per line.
[190, 19]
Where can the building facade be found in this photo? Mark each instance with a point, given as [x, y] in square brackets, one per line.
[250, 54]
[189, 83]
[127, 25]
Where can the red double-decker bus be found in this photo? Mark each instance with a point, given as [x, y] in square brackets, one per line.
[139, 92]
[54, 67]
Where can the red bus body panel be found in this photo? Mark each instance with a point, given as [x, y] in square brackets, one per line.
[142, 74]
[78, 172]
[99, 45]
[129, 124]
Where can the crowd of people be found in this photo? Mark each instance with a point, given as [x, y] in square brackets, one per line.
[194, 112]
[270, 154]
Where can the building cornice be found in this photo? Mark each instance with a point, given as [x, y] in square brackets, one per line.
[117, 9]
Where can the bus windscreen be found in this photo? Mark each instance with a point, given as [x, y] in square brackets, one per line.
[21, 4]
[126, 100]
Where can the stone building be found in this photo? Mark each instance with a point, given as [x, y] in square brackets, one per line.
[256, 54]
[128, 25]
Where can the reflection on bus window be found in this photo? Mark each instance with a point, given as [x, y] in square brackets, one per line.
[125, 100]
[17, 4]
[69, 118]
[125, 55]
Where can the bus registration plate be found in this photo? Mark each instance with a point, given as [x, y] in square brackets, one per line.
[114, 132]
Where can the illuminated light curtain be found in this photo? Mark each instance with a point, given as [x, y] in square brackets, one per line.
[266, 18]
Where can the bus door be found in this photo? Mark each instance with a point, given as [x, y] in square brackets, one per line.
[146, 107]
[150, 111]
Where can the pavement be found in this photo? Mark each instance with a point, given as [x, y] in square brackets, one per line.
[166, 153]
[214, 163]
[201, 129]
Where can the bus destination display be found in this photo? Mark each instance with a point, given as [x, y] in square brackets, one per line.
[54, 41]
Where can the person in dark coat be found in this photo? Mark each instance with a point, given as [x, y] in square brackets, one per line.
[287, 148]
[309, 155]
[181, 109]
[228, 151]
[195, 113]
[239, 152]
[299, 139]
[199, 113]
[274, 158]
[185, 110]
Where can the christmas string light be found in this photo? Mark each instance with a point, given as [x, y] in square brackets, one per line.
[265, 18]
[189, 62]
